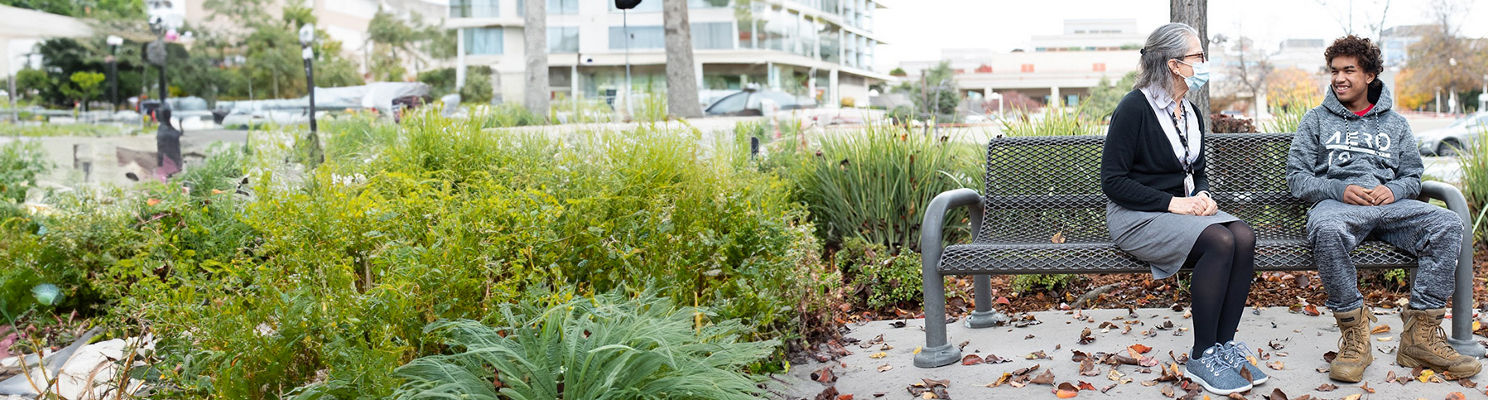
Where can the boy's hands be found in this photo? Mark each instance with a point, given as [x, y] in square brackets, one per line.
[1382, 195]
[1359, 196]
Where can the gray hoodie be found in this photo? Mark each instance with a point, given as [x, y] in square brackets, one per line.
[1334, 148]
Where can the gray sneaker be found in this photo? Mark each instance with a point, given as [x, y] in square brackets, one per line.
[1241, 355]
[1216, 372]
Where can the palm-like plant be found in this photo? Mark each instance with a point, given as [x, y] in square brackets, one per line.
[606, 347]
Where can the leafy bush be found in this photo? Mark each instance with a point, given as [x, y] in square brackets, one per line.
[884, 279]
[1473, 160]
[1226, 124]
[901, 115]
[1055, 121]
[50, 130]
[650, 106]
[1049, 282]
[1286, 119]
[580, 110]
[477, 89]
[330, 276]
[504, 115]
[600, 348]
[21, 162]
[875, 185]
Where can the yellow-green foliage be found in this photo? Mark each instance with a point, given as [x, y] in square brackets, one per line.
[331, 275]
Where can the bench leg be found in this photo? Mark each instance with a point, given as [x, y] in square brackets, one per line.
[937, 351]
[984, 316]
[1462, 301]
[1461, 338]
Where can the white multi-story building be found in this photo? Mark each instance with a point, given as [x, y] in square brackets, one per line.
[818, 48]
[1057, 69]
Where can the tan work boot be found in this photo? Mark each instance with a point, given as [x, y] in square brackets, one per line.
[1354, 351]
[1424, 344]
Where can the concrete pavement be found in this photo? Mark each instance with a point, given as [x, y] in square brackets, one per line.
[1301, 341]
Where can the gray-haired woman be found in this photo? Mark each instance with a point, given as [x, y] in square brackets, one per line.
[1152, 171]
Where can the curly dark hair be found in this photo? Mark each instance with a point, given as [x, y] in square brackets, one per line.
[1361, 48]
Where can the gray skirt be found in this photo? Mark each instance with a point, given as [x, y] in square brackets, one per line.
[1162, 239]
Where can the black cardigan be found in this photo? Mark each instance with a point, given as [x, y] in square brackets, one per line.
[1138, 168]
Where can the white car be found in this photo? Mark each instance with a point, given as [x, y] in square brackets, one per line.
[1447, 142]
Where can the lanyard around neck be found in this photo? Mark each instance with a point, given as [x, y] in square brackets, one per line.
[1180, 122]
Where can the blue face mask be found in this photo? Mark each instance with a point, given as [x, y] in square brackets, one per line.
[1199, 78]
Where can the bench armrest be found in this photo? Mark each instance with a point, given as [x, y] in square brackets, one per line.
[1462, 299]
[932, 228]
[1433, 190]
[937, 350]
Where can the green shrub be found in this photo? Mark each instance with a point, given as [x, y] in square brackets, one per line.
[21, 162]
[504, 115]
[477, 89]
[1055, 121]
[341, 269]
[650, 106]
[1049, 282]
[600, 348]
[884, 279]
[1285, 119]
[580, 110]
[875, 184]
[52, 130]
[901, 115]
[1473, 160]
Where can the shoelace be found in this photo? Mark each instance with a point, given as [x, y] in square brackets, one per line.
[1221, 361]
[1440, 347]
[1239, 348]
[1345, 342]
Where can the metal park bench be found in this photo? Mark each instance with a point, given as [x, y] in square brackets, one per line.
[1043, 212]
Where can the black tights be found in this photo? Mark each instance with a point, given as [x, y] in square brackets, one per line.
[1223, 262]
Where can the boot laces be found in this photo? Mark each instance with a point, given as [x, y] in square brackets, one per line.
[1354, 343]
[1437, 343]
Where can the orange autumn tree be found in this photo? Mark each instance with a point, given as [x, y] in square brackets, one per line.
[1294, 87]
[1411, 92]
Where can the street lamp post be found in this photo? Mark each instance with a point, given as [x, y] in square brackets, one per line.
[625, 6]
[113, 68]
[307, 37]
[158, 54]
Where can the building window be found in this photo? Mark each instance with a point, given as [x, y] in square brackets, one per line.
[1098, 67]
[695, 4]
[563, 39]
[475, 9]
[831, 44]
[563, 7]
[483, 41]
[1026, 68]
[642, 37]
[713, 35]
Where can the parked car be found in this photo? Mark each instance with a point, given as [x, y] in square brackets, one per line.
[1447, 142]
[754, 102]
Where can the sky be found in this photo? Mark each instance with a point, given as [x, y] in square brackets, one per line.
[916, 30]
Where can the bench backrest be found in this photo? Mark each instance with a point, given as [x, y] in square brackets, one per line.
[1040, 187]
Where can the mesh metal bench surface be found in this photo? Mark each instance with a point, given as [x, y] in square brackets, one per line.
[1043, 212]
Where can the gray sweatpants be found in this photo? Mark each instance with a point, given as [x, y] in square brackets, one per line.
[1433, 234]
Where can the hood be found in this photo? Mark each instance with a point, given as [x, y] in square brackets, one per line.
[1379, 95]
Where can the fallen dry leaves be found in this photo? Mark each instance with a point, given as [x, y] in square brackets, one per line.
[1065, 390]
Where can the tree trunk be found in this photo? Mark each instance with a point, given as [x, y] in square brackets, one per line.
[536, 33]
[1195, 13]
[682, 91]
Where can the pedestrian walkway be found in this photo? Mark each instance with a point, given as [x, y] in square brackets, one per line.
[1292, 344]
